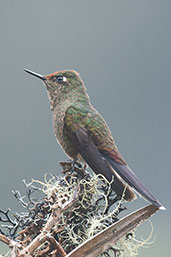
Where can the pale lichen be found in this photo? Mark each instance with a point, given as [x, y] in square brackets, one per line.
[94, 207]
[90, 212]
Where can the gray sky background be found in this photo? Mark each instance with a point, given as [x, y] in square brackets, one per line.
[122, 51]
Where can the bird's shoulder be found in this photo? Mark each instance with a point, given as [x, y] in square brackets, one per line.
[74, 116]
[95, 126]
[88, 118]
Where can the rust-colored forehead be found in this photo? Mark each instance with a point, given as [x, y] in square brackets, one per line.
[60, 73]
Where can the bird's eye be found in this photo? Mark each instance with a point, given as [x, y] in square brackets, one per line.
[61, 79]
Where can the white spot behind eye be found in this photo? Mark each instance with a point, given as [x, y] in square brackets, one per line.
[64, 79]
[61, 79]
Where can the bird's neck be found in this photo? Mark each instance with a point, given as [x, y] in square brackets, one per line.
[60, 103]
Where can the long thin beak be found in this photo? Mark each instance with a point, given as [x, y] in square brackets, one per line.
[35, 74]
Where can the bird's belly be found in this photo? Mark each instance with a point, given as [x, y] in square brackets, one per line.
[64, 140]
[67, 147]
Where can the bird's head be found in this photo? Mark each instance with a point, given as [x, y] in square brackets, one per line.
[63, 85]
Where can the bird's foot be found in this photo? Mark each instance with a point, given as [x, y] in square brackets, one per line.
[74, 164]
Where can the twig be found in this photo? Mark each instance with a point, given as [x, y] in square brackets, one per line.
[109, 236]
[4, 239]
[54, 219]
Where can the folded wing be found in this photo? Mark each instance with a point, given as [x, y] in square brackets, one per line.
[85, 146]
[99, 162]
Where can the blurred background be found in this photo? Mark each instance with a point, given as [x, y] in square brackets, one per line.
[122, 51]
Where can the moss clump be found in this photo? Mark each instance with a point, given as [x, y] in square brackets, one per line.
[94, 207]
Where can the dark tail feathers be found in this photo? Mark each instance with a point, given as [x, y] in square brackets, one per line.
[131, 179]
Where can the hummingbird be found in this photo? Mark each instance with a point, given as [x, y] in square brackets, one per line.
[84, 135]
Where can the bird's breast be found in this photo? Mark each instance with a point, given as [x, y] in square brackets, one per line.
[62, 135]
